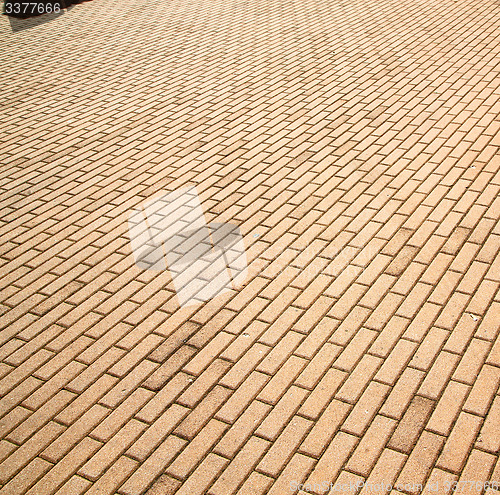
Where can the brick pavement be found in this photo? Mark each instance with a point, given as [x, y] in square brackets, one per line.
[356, 146]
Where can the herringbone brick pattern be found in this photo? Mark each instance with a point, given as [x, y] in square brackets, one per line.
[356, 145]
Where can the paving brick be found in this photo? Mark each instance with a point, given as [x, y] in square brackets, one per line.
[294, 473]
[314, 371]
[317, 337]
[240, 466]
[281, 413]
[28, 451]
[30, 475]
[459, 442]
[167, 370]
[74, 434]
[438, 375]
[448, 408]
[472, 361]
[202, 478]
[402, 393]
[483, 391]
[325, 428]
[419, 463]
[241, 430]
[353, 387]
[368, 450]
[66, 467]
[368, 207]
[255, 484]
[332, 460]
[244, 341]
[197, 449]
[385, 471]
[439, 480]
[143, 477]
[112, 450]
[489, 439]
[119, 416]
[240, 400]
[478, 467]
[196, 419]
[365, 409]
[282, 379]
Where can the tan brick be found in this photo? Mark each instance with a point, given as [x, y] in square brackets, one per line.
[483, 391]
[472, 361]
[439, 374]
[284, 446]
[294, 473]
[197, 449]
[245, 365]
[402, 393]
[461, 334]
[310, 318]
[75, 484]
[93, 372]
[30, 474]
[40, 417]
[281, 413]
[459, 443]
[429, 349]
[354, 351]
[243, 396]
[489, 437]
[396, 362]
[385, 471]
[325, 428]
[316, 338]
[28, 451]
[365, 409]
[280, 353]
[153, 466]
[322, 393]
[448, 408]
[112, 450]
[240, 466]
[314, 371]
[113, 477]
[282, 379]
[167, 370]
[368, 450]
[419, 463]
[199, 416]
[119, 416]
[439, 480]
[353, 387]
[255, 484]
[241, 430]
[164, 398]
[332, 460]
[478, 468]
[84, 401]
[66, 467]
[75, 433]
[483, 296]
[164, 485]
[411, 425]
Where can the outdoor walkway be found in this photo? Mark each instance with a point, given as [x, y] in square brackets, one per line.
[356, 145]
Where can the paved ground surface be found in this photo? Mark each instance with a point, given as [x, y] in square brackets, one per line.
[355, 143]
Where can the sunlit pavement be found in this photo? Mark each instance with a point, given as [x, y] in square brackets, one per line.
[355, 145]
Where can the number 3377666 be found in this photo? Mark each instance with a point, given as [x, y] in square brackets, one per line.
[31, 8]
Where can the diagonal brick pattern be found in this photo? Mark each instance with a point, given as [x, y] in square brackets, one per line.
[356, 146]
